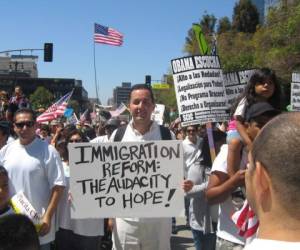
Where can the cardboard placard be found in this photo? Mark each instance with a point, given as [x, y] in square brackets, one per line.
[128, 179]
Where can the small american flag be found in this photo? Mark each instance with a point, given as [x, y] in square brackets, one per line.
[107, 35]
[83, 117]
[55, 110]
[73, 119]
[246, 221]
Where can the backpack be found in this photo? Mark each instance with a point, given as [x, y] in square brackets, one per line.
[164, 132]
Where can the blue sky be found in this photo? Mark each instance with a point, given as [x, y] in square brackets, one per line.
[154, 33]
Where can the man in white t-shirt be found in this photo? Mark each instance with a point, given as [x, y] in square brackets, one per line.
[191, 155]
[220, 186]
[34, 167]
[273, 184]
[191, 148]
[141, 233]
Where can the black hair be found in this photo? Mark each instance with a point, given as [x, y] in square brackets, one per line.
[75, 132]
[46, 128]
[25, 111]
[259, 76]
[281, 162]
[3, 171]
[142, 86]
[219, 139]
[17, 232]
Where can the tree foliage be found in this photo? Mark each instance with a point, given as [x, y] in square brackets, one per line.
[166, 97]
[236, 50]
[276, 44]
[207, 23]
[224, 25]
[41, 98]
[245, 17]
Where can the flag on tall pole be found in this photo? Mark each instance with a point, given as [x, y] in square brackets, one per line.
[107, 35]
[57, 109]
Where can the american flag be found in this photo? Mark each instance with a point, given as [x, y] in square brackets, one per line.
[107, 35]
[55, 110]
[72, 119]
[83, 117]
[119, 110]
[246, 221]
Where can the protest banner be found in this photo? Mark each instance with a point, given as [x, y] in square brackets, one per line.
[133, 179]
[158, 114]
[295, 92]
[235, 83]
[21, 205]
[199, 89]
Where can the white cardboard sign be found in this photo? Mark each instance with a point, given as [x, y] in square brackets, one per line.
[200, 91]
[128, 179]
[235, 83]
[295, 92]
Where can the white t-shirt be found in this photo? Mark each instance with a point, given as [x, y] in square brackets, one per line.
[85, 227]
[191, 153]
[100, 139]
[258, 244]
[227, 230]
[241, 108]
[34, 169]
[142, 233]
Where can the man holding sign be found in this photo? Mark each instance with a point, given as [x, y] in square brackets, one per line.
[142, 233]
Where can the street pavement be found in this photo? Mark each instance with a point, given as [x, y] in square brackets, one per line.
[183, 240]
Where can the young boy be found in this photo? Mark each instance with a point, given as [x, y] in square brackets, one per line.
[5, 208]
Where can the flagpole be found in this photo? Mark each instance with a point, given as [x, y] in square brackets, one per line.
[96, 83]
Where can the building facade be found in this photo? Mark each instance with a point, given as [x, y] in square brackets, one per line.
[19, 64]
[263, 7]
[121, 94]
[21, 70]
[57, 86]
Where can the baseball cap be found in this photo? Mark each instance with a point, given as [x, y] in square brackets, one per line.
[260, 108]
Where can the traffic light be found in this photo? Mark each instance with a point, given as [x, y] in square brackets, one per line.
[48, 52]
[148, 80]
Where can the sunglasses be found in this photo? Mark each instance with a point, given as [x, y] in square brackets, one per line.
[191, 130]
[28, 124]
[75, 140]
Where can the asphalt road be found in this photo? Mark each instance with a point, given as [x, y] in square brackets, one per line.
[183, 240]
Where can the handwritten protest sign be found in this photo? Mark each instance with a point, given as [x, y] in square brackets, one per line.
[158, 114]
[199, 89]
[235, 83]
[134, 179]
[295, 92]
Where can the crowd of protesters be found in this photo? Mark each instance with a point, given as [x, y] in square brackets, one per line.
[35, 160]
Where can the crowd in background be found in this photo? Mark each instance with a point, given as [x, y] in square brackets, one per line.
[207, 181]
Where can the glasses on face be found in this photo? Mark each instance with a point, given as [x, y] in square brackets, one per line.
[191, 130]
[28, 124]
[75, 140]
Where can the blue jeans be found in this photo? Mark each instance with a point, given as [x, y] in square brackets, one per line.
[204, 241]
[45, 247]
